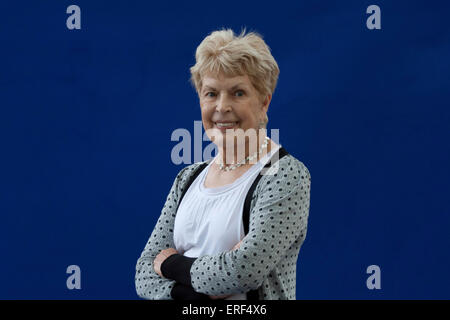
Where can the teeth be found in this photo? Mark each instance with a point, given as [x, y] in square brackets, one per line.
[223, 125]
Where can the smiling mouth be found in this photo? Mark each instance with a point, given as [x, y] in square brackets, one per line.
[225, 125]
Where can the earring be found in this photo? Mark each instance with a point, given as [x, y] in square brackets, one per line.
[263, 123]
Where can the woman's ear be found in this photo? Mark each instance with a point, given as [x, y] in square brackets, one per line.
[266, 102]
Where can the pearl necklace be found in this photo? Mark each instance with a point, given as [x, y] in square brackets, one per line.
[242, 162]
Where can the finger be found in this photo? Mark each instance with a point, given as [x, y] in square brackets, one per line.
[156, 268]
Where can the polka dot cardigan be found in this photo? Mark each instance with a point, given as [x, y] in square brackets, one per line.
[267, 258]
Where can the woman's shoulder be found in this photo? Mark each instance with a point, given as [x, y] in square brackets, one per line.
[287, 179]
[288, 172]
[186, 173]
[291, 164]
[190, 169]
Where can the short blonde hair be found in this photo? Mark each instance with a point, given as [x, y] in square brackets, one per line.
[224, 52]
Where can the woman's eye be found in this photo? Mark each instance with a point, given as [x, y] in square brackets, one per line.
[239, 93]
[210, 94]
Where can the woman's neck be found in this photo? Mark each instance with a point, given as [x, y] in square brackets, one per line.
[240, 152]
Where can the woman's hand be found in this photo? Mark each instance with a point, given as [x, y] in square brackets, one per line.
[237, 245]
[159, 259]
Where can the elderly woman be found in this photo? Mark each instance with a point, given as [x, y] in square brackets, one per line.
[231, 228]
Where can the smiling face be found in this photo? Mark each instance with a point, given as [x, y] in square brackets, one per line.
[230, 103]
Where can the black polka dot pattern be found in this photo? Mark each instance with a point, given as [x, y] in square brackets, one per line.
[149, 285]
[266, 259]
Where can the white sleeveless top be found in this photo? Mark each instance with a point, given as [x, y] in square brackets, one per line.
[209, 220]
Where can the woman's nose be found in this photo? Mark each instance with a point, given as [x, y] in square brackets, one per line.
[223, 103]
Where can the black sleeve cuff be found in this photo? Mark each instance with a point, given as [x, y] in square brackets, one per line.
[182, 292]
[178, 267]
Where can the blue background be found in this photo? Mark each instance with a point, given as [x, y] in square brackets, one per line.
[87, 116]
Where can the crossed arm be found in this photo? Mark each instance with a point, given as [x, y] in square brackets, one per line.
[170, 264]
[279, 220]
[149, 280]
